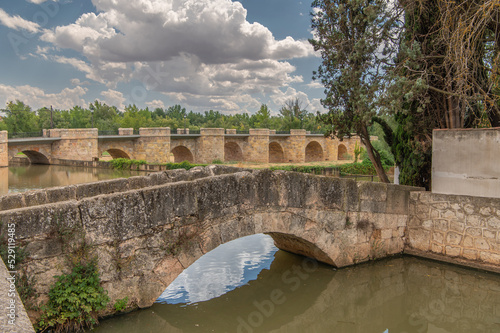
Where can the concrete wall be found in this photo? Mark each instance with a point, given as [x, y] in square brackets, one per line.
[4, 149]
[466, 162]
[465, 229]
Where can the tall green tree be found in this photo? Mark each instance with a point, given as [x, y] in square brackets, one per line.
[356, 39]
[20, 118]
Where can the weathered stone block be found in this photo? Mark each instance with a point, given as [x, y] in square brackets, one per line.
[453, 238]
[453, 251]
[12, 201]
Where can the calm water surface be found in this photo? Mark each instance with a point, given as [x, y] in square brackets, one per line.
[249, 286]
[36, 176]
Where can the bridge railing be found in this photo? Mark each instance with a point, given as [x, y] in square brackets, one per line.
[105, 133]
[282, 132]
[22, 135]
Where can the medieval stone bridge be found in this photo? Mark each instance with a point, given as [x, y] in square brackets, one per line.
[146, 230]
[158, 145]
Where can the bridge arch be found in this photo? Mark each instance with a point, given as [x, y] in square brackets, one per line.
[342, 152]
[182, 153]
[232, 152]
[314, 152]
[35, 157]
[118, 153]
[276, 154]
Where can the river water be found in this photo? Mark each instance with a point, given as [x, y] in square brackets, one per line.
[29, 177]
[248, 286]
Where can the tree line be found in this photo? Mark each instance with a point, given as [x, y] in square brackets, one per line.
[20, 118]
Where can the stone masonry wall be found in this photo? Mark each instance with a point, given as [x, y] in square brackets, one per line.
[4, 149]
[258, 146]
[153, 145]
[75, 144]
[210, 145]
[463, 228]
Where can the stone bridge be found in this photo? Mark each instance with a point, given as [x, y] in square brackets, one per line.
[160, 145]
[146, 230]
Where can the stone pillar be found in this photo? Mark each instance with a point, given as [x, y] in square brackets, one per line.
[4, 149]
[154, 145]
[125, 131]
[296, 150]
[258, 146]
[79, 144]
[210, 145]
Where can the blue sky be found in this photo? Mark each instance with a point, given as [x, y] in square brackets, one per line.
[203, 54]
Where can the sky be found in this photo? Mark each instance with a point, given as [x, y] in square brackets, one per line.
[202, 54]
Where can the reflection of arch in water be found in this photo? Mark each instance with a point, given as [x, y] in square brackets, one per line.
[342, 152]
[182, 153]
[276, 154]
[118, 153]
[232, 152]
[314, 152]
[36, 157]
[288, 272]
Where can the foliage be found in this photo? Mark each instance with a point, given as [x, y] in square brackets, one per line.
[355, 38]
[358, 150]
[74, 300]
[125, 163]
[386, 156]
[20, 118]
[217, 161]
[348, 168]
[120, 304]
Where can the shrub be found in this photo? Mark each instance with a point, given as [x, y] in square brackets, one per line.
[74, 300]
[125, 163]
[120, 304]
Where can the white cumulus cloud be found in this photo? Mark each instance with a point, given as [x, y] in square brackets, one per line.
[38, 98]
[203, 51]
[17, 22]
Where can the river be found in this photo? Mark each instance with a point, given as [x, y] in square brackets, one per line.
[248, 285]
[22, 178]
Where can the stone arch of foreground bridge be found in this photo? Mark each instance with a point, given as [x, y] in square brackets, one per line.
[144, 236]
[314, 152]
[233, 152]
[35, 155]
[181, 154]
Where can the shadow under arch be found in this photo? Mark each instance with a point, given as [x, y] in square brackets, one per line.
[182, 153]
[342, 152]
[314, 152]
[276, 154]
[118, 153]
[233, 152]
[36, 157]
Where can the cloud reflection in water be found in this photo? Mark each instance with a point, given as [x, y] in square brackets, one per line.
[227, 267]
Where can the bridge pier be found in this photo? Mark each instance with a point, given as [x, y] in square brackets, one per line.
[153, 145]
[258, 143]
[297, 144]
[76, 144]
[4, 149]
[210, 145]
